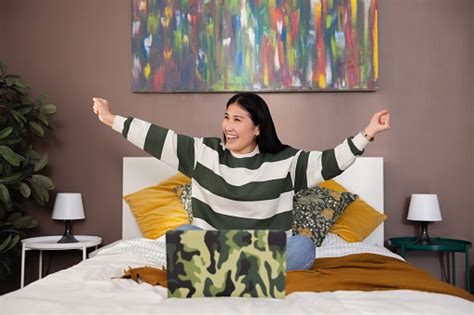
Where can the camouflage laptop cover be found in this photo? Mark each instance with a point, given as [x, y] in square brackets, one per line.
[242, 263]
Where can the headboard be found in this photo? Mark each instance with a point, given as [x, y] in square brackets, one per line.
[364, 177]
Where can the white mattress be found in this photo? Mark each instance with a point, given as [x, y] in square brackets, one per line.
[88, 288]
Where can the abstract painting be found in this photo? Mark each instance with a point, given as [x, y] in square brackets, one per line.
[254, 45]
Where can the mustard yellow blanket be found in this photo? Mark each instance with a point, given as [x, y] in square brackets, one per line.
[363, 272]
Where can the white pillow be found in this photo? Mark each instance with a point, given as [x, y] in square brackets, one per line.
[332, 239]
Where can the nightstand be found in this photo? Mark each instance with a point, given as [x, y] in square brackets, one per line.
[451, 246]
[51, 243]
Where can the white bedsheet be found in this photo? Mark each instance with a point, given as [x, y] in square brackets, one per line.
[87, 288]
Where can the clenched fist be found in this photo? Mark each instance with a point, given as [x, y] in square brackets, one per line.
[101, 109]
[380, 121]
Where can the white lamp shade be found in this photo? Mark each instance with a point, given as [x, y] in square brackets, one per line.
[68, 206]
[424, 207]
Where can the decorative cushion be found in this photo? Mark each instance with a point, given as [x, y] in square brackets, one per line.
[184, 193]
[359, 219]
[158, 209]
[316, 209]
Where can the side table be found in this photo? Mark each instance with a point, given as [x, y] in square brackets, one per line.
[51, 243]
[451, 246]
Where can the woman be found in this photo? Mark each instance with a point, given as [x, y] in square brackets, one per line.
[248, 180]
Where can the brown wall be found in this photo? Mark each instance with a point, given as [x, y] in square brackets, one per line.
[77, 49]
[470, 100]
[2, 29]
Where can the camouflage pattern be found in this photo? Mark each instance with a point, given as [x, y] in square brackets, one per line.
[241, 263]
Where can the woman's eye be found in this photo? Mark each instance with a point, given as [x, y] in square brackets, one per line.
[237, 119]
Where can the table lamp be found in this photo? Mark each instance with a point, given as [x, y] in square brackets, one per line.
[68, 207]
[424, 208]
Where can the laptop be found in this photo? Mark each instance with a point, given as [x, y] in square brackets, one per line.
[239, 263]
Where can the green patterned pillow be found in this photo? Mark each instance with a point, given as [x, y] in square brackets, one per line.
[316, 209]
[184, 193]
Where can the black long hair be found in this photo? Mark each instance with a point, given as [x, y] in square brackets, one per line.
[267, 140]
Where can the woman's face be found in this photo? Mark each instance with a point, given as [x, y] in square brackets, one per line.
[239, 130]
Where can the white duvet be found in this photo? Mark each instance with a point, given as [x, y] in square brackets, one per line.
[88, 288]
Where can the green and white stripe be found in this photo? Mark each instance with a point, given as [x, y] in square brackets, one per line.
[252, 191]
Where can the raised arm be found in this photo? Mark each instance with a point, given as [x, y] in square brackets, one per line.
[314, 167]
[176, 150]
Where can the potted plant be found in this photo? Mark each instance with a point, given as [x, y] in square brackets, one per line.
[22, 121]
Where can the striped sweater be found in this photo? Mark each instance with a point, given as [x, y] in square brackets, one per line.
[240, 191]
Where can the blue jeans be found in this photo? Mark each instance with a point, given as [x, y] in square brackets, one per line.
[300, 250]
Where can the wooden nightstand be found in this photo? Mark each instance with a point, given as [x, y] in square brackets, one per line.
[452, 246]
[51, 243]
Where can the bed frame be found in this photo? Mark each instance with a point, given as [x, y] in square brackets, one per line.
[364, 177]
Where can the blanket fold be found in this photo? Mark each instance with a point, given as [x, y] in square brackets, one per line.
[361, 272]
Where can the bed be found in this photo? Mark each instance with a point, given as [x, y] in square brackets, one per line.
[92, 287]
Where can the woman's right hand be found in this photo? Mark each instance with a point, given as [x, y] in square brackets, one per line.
[101, 109]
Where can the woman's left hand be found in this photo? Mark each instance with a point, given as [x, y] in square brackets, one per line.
[379, 122]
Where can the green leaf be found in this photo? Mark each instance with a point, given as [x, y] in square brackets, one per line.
[27, 101]
[16, 81]
[9, 155]
[10, 179]
[19, 118]
[42, 117]
[32, 224]
[48, 109]
[44, 181]
[4, 68]
[13, 217]
[10, 81]
[41, 163]
[9, 243]
[35, 154]
[40, 193]
[42, 98]
[5, 243]
[4, 194]
[22, 222]
[10, 142]
[7, 169]
[9, 205]
[5, 132]
[13, 242]
[36, 128]
[4, 270]
[15, 232]
[5, 226]
[25, 190]
[27, 171]
[22, 158]
[24, 109]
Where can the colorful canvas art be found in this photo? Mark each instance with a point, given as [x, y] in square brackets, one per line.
[254, 45]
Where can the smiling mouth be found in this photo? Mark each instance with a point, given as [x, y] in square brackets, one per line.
[231, 139]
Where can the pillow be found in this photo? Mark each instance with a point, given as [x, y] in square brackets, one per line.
[316, 209]
[358, 221]
[184, 193]
[158, 209]
[332, 239]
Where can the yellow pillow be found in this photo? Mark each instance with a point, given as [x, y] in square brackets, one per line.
[158, 209]
[359, 219]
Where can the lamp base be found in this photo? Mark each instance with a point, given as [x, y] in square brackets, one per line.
[68, 239]
[424, 238]
[67, 236]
